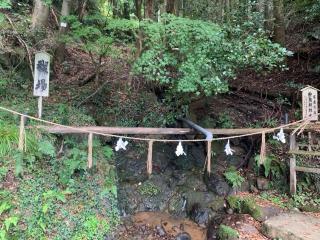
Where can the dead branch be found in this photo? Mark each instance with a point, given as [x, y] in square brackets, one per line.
[22, 42]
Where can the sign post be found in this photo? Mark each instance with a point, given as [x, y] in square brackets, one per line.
[310, 103]
[41, 78]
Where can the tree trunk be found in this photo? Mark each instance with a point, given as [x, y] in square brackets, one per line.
[279, 28]
[171, 7]
[82, 5]
[65, 11]
[268, 16]
[115, 8]
[149, 9]
[40, 14]
[126, 10]
[138, 5]
[227, 9]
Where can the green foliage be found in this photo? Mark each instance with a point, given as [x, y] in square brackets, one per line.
[279, 200]
[88, 34]
[123, 29]
[149, 189]
[272, 165]
[227, 233]
[313, 11]
[107, 152]
[233, 177]
[74, 160]
[198, 57]
[245, 205]
[225, 121]
[3, 172]
[9, 137]
[5, 4]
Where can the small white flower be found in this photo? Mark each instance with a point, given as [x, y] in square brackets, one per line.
[121, 145]
[228, 149]
[179, 150]
[280, 136]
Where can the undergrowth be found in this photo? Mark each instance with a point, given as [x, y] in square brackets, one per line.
[45, 195]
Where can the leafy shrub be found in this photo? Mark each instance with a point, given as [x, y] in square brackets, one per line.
[198, 57]
[233, 177]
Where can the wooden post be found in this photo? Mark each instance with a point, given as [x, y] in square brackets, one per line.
[263, 148]
[293, 173]
[21, 134]
[149, 160]
[90, 137]
[209, 157]
[40, 107]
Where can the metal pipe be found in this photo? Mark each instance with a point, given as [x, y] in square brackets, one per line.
[207, 133]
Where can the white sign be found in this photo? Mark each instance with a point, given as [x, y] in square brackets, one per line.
[41, 74]
[63, 24]
[310, 103]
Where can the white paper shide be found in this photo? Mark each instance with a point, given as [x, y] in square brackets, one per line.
[121, 145]
[228, 149]
[179, 150]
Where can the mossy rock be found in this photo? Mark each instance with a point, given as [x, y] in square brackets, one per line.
[227, 233]
[245, 205]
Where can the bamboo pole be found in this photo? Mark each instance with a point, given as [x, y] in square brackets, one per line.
[149, 160]
[209, 157]
[90, 137]
[21, 134]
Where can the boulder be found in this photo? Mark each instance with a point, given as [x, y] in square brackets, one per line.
[292, 226]
[217, 185]
[262, 183]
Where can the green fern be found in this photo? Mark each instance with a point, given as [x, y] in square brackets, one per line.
[233, 177]
[46, 148]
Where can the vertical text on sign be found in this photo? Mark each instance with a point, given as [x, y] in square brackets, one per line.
[310, 103]
[41, 75]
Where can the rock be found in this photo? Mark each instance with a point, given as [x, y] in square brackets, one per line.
[187, 180]
[201, 216]
[204, 200]
[132, 170]
[292, 226]
[262, 183]
[269, 211]
[160, 231]
[230, 211]
[217, 184]
[177, 205]
[253, 189]
[183, 236]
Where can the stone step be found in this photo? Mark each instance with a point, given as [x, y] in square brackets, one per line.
[292, 226]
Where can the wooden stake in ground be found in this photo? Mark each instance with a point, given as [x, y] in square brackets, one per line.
[40, 107]
[90, 158]
[21, 134]
[149, 160]
[209, 157]
[293, 174]
[263, 148]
